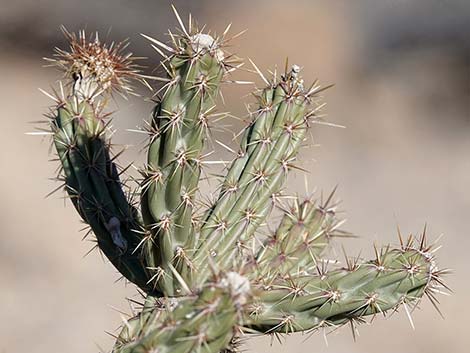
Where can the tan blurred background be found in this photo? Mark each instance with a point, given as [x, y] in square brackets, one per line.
[402, 75]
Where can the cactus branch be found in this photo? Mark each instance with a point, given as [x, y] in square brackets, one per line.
[179, 126]
[268, 148]
[396, 277]
[300, 240]
[204, 322]
[79, 125]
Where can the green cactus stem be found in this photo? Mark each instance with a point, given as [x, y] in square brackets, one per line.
[79, 127]
[396, 277]
[301, 238]
[267, 152]
[204, 322]
[178, 131]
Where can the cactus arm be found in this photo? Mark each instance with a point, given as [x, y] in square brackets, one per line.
[195, 71]
[93, 185]
[298, 243]
[397, 277]
[78, 126]
[269, 146]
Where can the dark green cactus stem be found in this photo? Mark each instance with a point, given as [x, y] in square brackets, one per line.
[178, 132]
[92, 182]
[395, 278]
[78, 126]
[202, 323]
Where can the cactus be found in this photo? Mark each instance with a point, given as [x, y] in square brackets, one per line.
[207, 271]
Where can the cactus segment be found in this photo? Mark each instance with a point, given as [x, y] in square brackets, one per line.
[301, 238]
[178, 132]
[93, 184]
[78, 126]
[268, 149]
[397, 277]
[203, 323]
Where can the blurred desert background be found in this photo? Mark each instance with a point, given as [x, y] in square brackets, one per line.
[401, 71]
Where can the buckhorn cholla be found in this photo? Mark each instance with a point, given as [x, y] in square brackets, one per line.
[209, 275]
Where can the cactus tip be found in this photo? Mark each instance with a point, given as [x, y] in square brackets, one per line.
[95, 67]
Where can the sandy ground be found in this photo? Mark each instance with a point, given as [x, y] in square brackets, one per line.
[403, 159]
